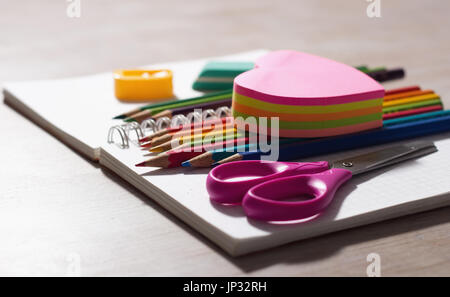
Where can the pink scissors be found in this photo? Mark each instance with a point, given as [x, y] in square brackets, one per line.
[263, 186]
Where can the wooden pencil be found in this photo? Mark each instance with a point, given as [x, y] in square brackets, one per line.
[412, 99]
[174, 158]
[168, 136]
[184, 110]
[412, 105]
[416, 117]
[208, 158]
[190, 139]
[204, 124]
[402, 90]
[414, 111]
[407, 94]
[149, 112]
[171, 102]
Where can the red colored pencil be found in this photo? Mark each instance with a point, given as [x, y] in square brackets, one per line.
[409, 112]
[402, 90]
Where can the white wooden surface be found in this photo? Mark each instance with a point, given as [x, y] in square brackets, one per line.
[57, 209]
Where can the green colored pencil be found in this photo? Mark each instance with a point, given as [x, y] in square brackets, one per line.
[169, 104]
[412, 105]
[208, 158]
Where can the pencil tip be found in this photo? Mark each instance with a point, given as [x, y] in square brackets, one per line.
[119, 117]
[186, 164]
[142, 164]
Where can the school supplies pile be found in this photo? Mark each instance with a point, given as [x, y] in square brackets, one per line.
[420, 185]
[225, 70]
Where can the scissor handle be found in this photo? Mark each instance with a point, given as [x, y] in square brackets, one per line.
[265, 201]
[223, 187]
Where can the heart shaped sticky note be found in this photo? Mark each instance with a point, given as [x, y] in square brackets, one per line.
[311, 95]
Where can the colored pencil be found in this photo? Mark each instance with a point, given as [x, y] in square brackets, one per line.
[437, 124]
[404, 113]
[171, 102]
[168, 136]
[175, 157]
[407, 94]
[208, 158]
[412, 105]
[213, 136]
[173, 130]
[416, 117]
[184, 110]
[149, 112]
[408, 100]
[402, 90]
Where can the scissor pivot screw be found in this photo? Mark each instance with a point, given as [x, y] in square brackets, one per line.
[347, 164]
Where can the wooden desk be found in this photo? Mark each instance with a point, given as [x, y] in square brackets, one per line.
[56, 206]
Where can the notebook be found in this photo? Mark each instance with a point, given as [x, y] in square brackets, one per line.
[78, 111]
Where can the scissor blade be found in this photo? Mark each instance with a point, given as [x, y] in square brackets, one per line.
[385, 157]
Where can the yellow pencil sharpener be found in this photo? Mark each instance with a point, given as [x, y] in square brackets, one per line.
[143, 85]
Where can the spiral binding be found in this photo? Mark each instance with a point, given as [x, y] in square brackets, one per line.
[150, 126]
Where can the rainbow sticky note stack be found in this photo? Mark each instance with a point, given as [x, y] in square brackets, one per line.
[312, 96]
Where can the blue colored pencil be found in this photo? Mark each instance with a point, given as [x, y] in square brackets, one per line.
[416, 117]
[408, 128]
[208, 158]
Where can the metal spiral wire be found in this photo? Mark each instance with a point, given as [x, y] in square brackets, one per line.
[150, 126]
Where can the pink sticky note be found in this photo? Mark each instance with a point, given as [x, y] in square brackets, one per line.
[295, 78]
